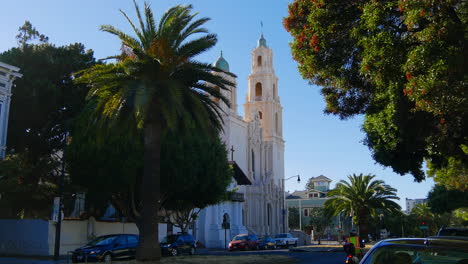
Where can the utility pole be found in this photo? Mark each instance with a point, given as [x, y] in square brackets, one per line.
[58, 227]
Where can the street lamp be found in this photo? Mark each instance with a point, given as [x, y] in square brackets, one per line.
[284, 201]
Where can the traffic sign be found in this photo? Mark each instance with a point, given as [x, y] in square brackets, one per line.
[423, 227]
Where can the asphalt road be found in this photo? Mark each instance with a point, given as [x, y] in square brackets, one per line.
[302, 257]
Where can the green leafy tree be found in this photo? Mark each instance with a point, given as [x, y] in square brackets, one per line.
[319, 220]
[191, 157]
[423, 213]
[401, 64]
[44, 102]
[109, 168]
[157, 85]
[442, 200]
[361, 196]
[293, 217]
[27, 33]
[19, 197]
[310, 185]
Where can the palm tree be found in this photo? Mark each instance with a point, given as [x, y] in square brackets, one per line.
[156, 84]
[361, 197]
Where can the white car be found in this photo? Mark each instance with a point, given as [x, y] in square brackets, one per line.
[285, 240]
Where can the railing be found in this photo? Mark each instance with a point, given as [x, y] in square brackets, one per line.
[237, 197]
[258, 98]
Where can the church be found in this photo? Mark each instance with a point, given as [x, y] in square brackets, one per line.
[257, 154]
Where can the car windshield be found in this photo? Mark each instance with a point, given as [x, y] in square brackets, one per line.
[101, 241]
[240, 237]
[281, 236]
[416, 255]
[170, 239]
[265, 239]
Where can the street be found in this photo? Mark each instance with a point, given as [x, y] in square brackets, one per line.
[302, 257]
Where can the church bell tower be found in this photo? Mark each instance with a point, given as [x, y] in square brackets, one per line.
[262, 95]
[263, 103]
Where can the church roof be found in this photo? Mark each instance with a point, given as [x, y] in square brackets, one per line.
[239, 175]
[221, 63]
[262, 42]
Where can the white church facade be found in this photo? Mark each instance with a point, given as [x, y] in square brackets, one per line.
[8, 74]
[257, 149]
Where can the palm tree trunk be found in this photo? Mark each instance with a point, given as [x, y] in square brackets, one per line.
[148, 250]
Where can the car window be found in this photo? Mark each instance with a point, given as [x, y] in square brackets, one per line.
[132, 240]
[121, 241]
[240, 237]
[408, 254]
[101, 241]
[281, 236]
[180, 239]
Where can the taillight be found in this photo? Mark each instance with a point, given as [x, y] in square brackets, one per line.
[350, 256]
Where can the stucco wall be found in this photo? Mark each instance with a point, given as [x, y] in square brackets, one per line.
[37, 237]
[24, 237]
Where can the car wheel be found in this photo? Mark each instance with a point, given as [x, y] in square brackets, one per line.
[274, 247]
[107, 258]
[295, 244]
[247, 248]
[192, 251]
[174, 252]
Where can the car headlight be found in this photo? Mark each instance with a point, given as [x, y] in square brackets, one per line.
[94, 252]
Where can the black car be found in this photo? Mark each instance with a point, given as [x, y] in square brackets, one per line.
[453, 231]
[418, 251]
[107, 248]
[174, 245]
[266, 242]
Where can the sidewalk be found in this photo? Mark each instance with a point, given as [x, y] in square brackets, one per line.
[325, 246]
[30, 260]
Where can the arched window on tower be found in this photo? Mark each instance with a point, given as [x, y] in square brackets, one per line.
[253, 163]
[276, 123]
[259, 61]
[260, 114]
[269, 214]
[258, 91]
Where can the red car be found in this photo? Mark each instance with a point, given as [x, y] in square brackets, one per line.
[244, 242]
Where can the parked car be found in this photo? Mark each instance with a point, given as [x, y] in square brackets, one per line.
[266, 242]
[285, 240]
[453, 231]
[419, 251]
[244, 242]
[107, 248]
[174, 245]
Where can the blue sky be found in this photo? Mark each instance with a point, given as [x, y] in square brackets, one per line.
[315, 143]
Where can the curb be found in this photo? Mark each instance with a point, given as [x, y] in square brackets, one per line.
[331, 250]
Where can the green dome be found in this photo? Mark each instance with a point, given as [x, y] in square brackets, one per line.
[262, 42]
[221, 63]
